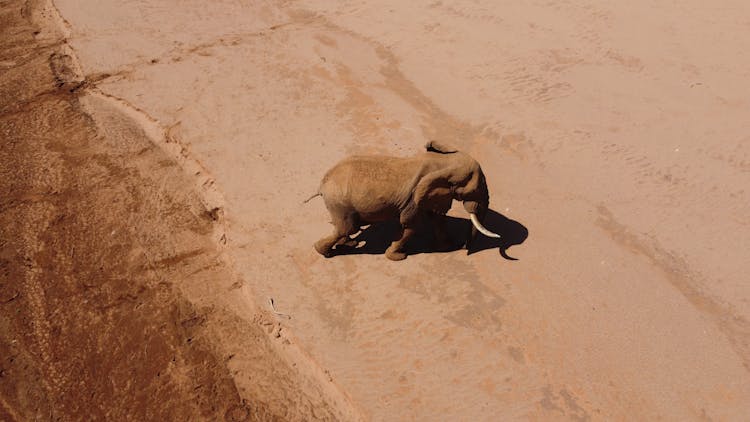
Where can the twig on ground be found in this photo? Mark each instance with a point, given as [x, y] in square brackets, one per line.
[273, 308]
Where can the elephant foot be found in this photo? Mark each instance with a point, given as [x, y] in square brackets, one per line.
[349, 243]
[395, 255]
[323, 248]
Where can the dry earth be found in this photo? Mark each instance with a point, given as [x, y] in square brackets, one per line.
[116, 302]
[614, 136]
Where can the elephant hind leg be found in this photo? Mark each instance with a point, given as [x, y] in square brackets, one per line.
[343, 228]
[348, 242]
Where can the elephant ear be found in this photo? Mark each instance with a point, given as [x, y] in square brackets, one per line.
[439, 147]
[434, 192]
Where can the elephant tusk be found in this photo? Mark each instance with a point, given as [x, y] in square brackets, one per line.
[481, 228]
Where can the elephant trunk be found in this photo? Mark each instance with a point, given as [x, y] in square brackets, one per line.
[476, 200]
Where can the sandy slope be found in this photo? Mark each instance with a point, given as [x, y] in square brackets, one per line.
[116, 300]
[614, 135]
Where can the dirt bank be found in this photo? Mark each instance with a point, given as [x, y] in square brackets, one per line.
[115, 298]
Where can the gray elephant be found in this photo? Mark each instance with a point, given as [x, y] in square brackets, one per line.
[361, 190]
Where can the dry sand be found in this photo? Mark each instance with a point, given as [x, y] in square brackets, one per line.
[616, 142]
[116, 300]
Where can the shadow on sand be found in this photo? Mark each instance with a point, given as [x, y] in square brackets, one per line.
[377, 237]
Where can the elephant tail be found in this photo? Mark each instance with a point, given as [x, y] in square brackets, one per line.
[308, 199]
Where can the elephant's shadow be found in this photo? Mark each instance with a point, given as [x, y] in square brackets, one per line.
[377, 237]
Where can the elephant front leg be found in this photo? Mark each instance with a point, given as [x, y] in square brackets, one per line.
[397, 250]
[442, 240]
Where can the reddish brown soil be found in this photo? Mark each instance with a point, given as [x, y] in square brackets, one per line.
[101, 244]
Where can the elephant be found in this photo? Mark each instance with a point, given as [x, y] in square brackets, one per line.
[366, 189]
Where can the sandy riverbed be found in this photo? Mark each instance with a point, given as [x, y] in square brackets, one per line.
[616, 143]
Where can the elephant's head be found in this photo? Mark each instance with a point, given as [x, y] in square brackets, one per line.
[454, 175]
